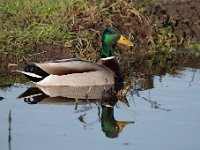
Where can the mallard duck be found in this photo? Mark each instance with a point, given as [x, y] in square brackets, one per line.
[79, 72]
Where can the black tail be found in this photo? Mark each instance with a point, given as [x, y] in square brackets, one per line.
[33, 95]
[32, 68]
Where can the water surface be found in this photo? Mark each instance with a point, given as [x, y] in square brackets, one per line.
[164, 108]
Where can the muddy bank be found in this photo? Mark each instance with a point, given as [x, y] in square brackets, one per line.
[182, 16]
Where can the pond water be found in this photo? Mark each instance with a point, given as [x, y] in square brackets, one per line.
[163, 113]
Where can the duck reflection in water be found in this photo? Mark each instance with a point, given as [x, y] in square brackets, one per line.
[110, 126]
[104, 97]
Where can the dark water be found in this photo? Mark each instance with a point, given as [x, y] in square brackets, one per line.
[164, 106]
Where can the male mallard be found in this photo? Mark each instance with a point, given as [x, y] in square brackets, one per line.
[79, 72]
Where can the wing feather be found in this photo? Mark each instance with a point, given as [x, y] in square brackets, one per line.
[69, 66]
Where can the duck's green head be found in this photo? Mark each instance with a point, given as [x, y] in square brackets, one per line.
[111, 36]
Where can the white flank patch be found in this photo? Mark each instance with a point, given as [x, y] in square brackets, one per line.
[108, 58]
[31, 74]
[33, 95]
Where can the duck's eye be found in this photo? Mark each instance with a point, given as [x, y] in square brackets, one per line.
[111, 32]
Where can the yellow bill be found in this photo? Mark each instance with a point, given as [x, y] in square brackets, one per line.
[125, 41]
[122, 124]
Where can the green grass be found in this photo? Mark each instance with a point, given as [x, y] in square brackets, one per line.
[29, 22]
[26, 23]
[165, 41]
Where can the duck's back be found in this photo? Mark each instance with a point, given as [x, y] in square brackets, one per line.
[69, 72]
